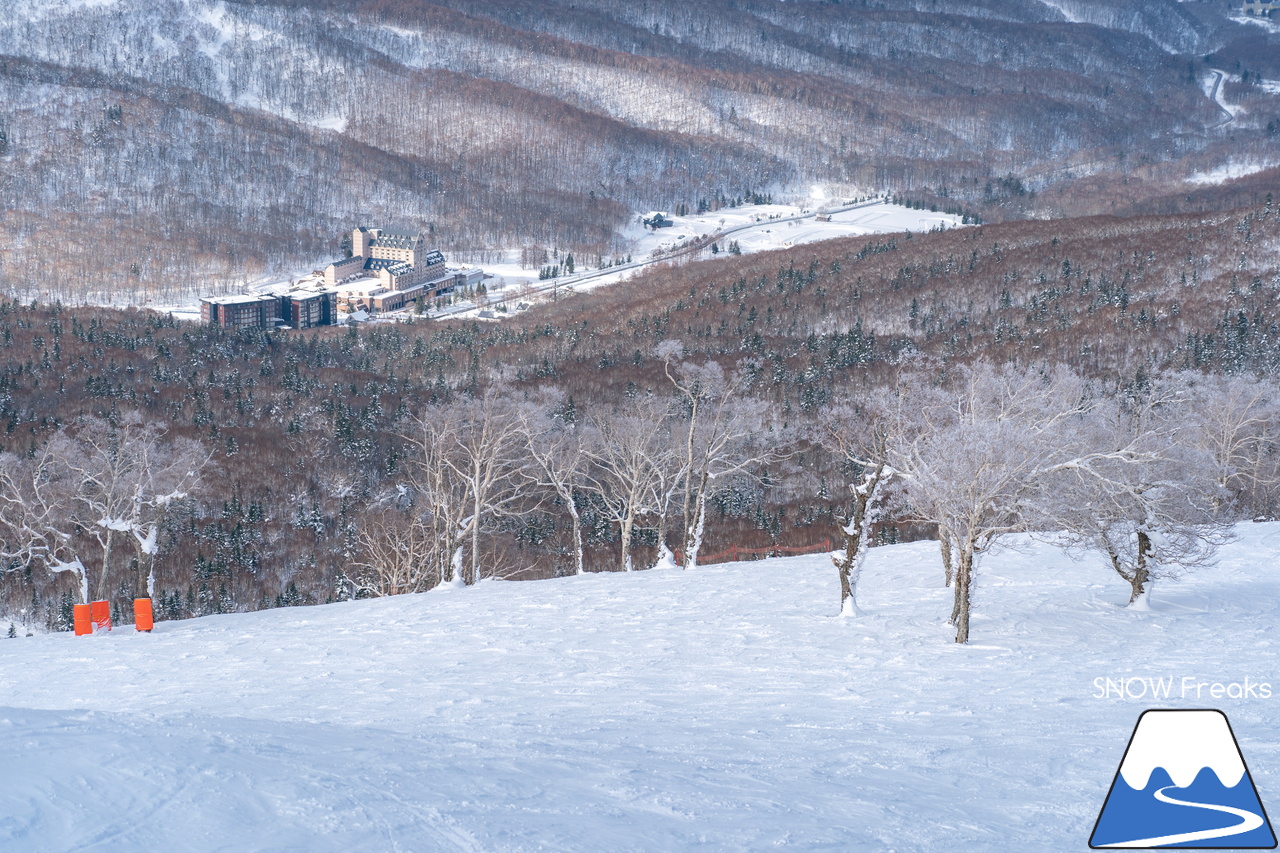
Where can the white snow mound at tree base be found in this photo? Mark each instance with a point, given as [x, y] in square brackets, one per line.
[723, 709]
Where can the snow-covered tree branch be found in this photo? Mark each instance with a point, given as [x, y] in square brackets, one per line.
[725, 433]
[632, 457]
[94, 483]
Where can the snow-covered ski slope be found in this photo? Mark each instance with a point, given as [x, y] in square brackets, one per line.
[755, 228]
[722, 709]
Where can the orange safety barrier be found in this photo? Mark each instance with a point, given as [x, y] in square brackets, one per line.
[142, 616]
[83, 621]
[100, 611]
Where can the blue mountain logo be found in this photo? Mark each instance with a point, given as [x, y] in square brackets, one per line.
[1183, 783]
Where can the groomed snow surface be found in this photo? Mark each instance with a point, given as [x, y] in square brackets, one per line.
[722, 709]
[755, 228]
[765, 234]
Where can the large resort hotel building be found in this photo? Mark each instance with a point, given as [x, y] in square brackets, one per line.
[396, 261]
[387, 271]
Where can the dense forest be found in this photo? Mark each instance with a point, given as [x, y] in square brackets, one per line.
[150, 151]
[306, 444]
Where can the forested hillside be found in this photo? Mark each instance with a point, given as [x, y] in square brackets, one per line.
[155, 149]
[314, 439]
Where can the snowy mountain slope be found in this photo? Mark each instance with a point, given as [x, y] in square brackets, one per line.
[152, 145]
[717, 709]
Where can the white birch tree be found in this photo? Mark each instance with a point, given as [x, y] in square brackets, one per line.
[557, 462]
[726, 433]
[37, 501]
[94, 484]
[972, 467]
[859, 436]
[465, 475]
[631, 457]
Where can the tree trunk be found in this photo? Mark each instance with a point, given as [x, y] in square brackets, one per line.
[577, 537]
[475, 537]
[699, 526]
[686, 513]
[662, 535]
[146, 580]
[1142, 569]
[686, 517]
[955, 605]
[853, 544]
[82, 574]
[847, 605]
[964, 584]
[627, 524]
[456, 567]
[694, 522]
[866, 502]
[944, 545]
[104, 573]
[142, 585]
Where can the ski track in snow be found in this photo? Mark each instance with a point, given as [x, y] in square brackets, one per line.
[721, 709]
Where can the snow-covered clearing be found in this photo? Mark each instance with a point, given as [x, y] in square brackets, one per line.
[722, 709]
[765, 233]
[1231, 170]
[1258, 21]
[755, 228]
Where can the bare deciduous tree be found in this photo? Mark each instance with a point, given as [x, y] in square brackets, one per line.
[632, 457]
[973, 466]
[398, 553]
[859, 436]
[37, 500]
[1143, 490]
[465, 475]
[727, 433]
[557, 462]
[96, 482]
[1236, 421]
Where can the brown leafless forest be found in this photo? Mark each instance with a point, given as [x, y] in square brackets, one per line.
[319, 443]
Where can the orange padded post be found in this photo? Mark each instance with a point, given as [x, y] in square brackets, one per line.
[101, 613]
[83, 622]
[142, 616]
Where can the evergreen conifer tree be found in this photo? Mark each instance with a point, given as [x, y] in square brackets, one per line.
[66, 613]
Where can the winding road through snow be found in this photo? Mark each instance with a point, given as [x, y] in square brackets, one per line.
[1215, 94]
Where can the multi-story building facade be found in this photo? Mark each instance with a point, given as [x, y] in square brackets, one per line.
[399, 260]
[386, 272]
[306, 310]
[240, 312]
[301, 309]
